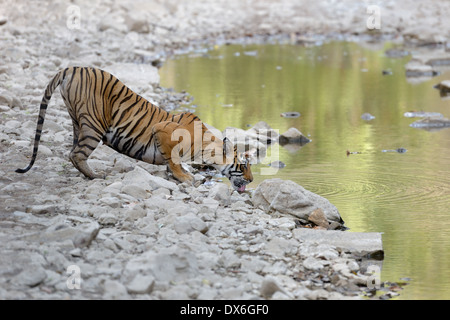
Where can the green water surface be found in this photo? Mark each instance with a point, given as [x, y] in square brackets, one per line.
[406, 196]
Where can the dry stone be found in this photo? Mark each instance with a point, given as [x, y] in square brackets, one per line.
[286, 198]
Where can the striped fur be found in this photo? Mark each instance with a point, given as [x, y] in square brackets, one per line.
[102, 108]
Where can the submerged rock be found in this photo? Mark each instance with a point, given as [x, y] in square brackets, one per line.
[420, 70]
[293, 135]
[277, 164]
[367, 116]
[436, 123]
[399, 150]
[291, 114]
[396, 53]
[444, 88]
[422, 114]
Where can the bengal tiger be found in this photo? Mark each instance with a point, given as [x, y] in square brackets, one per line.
[102, 108]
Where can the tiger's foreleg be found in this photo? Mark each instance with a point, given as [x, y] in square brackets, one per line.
[172, 150]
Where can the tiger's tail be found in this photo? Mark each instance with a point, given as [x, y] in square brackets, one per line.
[54, 83]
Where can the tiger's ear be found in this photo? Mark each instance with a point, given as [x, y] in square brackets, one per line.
[250, 156]
[250, 153]
[227, 147]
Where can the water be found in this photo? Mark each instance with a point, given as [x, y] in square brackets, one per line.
[404, 195]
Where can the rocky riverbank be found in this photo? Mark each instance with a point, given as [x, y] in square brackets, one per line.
[140, 234]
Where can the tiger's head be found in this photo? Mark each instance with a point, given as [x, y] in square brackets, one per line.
[234, 165]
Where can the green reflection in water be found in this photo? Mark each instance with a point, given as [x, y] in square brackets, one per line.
[405, 196]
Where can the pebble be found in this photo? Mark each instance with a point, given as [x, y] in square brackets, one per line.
[141, 284]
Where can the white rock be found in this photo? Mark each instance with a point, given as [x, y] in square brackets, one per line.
[287, 198]
[171, 264]
[114, 290]
[112, 202]
[135, 76]
[189, 223]
[135, 212]
[229, 259]
[113, 188]
[221, 192]
[81, 235]
[31, 276]
[135, 191]
[312, 263]
[138, 22]
[107, 219]
[141, 284]
[269, 286]
[44, 150]
[147, 181]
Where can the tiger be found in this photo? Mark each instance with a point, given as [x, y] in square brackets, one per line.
[102, 108]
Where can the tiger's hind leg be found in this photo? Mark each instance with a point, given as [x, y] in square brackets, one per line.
[84, 143]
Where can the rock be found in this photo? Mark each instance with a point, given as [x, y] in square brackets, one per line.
[419, 70]
[360, 243]
[42, 209]
[147, 181]
[422, 114]
[293, 135]
[80, 235]
[443, 87]
[114, 188]
[256, 138]
[107, 219]
[123, 164]
[137, 77]
[10, 100]
[3, 20]
[228, 259]
[28, 267]
[137, 22]
[135, 191]
[263, 132]
[112, 202]
[291, 114]
[111, 22]
[45, 151]
[169, 264]
[318, 218]
[221, 192]
[285, 197]
[135, 212]
[277, 164]
[398, 150]
[396, 53]
[31, 277]
[314, 264]
[431, 123]
[141, 284]
[367, 116]
[269, 287]
[5, 99]
[189, 223]
[439, 61]
[114, 290]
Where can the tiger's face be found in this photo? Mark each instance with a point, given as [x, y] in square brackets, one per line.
[239, 170]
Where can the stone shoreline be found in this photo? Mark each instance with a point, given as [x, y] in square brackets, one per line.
[139, 234]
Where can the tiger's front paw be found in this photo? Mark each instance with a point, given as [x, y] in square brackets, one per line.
[185, 177]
